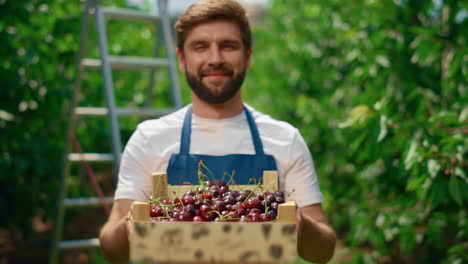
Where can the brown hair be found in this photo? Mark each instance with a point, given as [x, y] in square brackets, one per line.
[208, 10]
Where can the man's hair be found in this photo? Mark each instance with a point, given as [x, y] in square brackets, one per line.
[208, 10]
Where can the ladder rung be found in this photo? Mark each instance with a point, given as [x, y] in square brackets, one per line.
[86, 202]
[91, 157]
[102, 111]
[127, 62]
[127, 14]
[77, 244]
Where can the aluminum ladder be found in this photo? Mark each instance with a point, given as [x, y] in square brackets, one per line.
[107, 63]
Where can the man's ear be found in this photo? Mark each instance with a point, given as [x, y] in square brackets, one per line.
[180, 56]
[248, 54]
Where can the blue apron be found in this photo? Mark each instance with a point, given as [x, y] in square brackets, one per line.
[183, 167]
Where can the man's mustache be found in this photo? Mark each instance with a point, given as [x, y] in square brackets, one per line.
[222, 69]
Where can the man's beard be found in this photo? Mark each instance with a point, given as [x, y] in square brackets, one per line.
[206, 94]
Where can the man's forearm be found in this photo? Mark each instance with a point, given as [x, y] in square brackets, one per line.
[114, 241]
[316, 240]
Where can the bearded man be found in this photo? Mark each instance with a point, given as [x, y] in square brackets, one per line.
[214, 48]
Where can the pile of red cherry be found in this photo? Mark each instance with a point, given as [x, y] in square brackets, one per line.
[213, 201]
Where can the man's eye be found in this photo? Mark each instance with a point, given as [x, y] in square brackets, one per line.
[199, 47]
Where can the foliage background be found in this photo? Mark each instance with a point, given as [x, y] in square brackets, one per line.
[377, 88]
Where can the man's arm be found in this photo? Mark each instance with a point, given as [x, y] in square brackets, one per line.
[316, 238]
[114, 235]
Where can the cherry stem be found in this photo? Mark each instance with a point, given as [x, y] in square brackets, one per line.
[180, 200]
[291, 192]
[251, 193]
[231, 177]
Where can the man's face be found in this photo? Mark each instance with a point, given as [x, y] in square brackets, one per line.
[214, 60]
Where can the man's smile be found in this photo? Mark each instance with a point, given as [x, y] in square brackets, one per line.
[215, 75]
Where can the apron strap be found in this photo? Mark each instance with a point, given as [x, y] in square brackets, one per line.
[254, 132]
[187, 131]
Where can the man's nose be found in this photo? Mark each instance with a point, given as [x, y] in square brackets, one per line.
[215, 57]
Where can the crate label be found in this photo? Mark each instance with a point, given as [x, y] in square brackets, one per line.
[213, 242]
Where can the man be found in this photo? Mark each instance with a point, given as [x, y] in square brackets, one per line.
[214, 50]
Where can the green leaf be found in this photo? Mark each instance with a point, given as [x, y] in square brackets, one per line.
[461, 173]
[439, 192]
[414, 183]
[407, 239]
[446, 118]
[358, 116]
[456, 190]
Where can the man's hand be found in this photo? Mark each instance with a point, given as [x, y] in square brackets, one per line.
[315, 239]
[115, 234]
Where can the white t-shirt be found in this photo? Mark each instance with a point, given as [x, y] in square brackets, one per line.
[154, 141]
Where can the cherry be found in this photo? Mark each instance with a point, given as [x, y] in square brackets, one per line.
[214, 187]
[177, 201]
[255, 211]
[229, 199]
[198, 219]
[447, 173]
[241, 211]
[253, 202]
[156, 211]
[224, 213]
[188, 199]
[209, 202]
[279, 199]
[190, 209]
[224, 189]
[219, 205]
[241, 198]
[265, 217]
[254, 217]
[273, 214]
[198, 203]
[215, 202]
[210, 216]
[207, 195]
[175, 214]
[205, 208]
[215, 192]
[270, 198]
[274, 206]
[281, 194]
[185, 216]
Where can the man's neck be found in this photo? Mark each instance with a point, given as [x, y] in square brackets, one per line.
[228, 109]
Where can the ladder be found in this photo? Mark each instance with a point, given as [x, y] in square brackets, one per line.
[107, 63]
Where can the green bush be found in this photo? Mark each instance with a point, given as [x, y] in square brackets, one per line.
[378, 90]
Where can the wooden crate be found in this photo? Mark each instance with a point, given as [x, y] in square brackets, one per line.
[212, 242]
